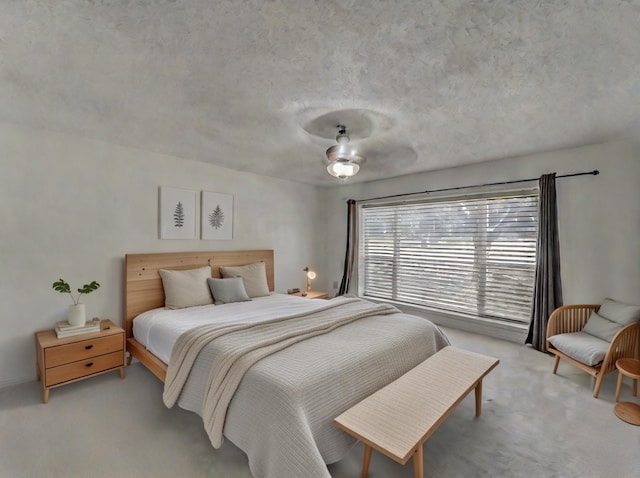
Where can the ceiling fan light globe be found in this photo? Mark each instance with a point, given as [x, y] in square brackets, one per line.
[342, 169]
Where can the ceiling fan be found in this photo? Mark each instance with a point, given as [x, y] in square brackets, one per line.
[344, 161]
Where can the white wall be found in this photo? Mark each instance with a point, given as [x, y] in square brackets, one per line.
[72, 208]
[599, 216]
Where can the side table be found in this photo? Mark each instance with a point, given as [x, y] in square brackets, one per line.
[628, 411]
[62, 361]
[312, 294]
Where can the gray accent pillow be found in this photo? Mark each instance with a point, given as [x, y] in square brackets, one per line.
[254, 277]
[619, 312]
[600, 327]
[583, 347]
[226, 291]
[186, 288]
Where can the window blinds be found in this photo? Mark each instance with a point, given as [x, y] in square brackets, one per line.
[473, 255]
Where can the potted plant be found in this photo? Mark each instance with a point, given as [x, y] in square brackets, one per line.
[76, 314]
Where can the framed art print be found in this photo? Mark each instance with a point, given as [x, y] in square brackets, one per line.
[217, 216]
[178, 213]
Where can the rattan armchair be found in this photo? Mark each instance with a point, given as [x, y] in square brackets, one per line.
[572, 318]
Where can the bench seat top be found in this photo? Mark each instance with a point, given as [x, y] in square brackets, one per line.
[402, 415]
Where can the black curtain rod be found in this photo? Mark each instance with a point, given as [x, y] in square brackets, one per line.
[595, 172]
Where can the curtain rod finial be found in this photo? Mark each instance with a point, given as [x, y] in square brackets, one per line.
[596, 172]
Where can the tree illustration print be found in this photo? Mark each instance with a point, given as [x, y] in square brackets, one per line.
[178, 215]
[216, 218]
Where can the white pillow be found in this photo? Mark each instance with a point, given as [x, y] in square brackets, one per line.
[600, 327]
[623, 314]
[253, 275]
[226, 291]
[186, 288]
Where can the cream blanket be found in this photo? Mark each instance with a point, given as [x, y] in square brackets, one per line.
[279, 409]
[246, 344]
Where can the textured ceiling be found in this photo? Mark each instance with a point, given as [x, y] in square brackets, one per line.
[258, 85]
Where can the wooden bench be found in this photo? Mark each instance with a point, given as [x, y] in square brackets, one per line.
[397, 419]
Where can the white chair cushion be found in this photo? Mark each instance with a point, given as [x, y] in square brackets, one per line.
[583, 347]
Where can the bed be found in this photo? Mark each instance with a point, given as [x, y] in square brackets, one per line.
[275, 370]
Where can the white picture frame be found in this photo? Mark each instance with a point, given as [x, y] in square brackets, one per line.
[216, 221]
[178, 213]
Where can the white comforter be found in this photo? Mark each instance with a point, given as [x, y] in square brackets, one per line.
[281, 414]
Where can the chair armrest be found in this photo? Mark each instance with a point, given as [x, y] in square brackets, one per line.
[569, 318]
[625, 344]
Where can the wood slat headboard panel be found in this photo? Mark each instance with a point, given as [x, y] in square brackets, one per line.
[143, 287]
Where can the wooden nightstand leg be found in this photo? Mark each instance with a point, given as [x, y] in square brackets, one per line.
[121, 372]
[366, 460]
[479, 398]
[418, 463]
[45, 395]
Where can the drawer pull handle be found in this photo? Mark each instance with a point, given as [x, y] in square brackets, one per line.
[89, 347]
[88, 364]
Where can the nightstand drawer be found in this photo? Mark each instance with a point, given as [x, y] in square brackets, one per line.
[66, 354]
[72, 371]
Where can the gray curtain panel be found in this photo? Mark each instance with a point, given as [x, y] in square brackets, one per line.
[349, 256]
[547, 294]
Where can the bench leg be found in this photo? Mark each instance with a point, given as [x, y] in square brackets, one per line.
[479, 398]
[418, 463]
[366, 460]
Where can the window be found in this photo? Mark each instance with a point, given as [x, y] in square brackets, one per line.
[473, 255]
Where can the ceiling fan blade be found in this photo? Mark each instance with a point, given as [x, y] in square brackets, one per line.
[387, 154]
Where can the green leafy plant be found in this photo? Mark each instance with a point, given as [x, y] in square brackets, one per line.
[63, 287]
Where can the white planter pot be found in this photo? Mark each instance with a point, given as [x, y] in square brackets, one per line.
[76, 314]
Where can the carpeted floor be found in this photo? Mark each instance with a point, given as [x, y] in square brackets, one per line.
[534, 424]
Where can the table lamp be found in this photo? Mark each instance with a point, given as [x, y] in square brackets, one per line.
[309, 276]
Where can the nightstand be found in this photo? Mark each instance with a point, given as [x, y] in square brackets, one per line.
[67, 360]
[313, 294]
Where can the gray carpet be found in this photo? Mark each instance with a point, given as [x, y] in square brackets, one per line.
[534, 424]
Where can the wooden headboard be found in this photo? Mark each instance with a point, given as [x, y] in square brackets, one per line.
[143, 287]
